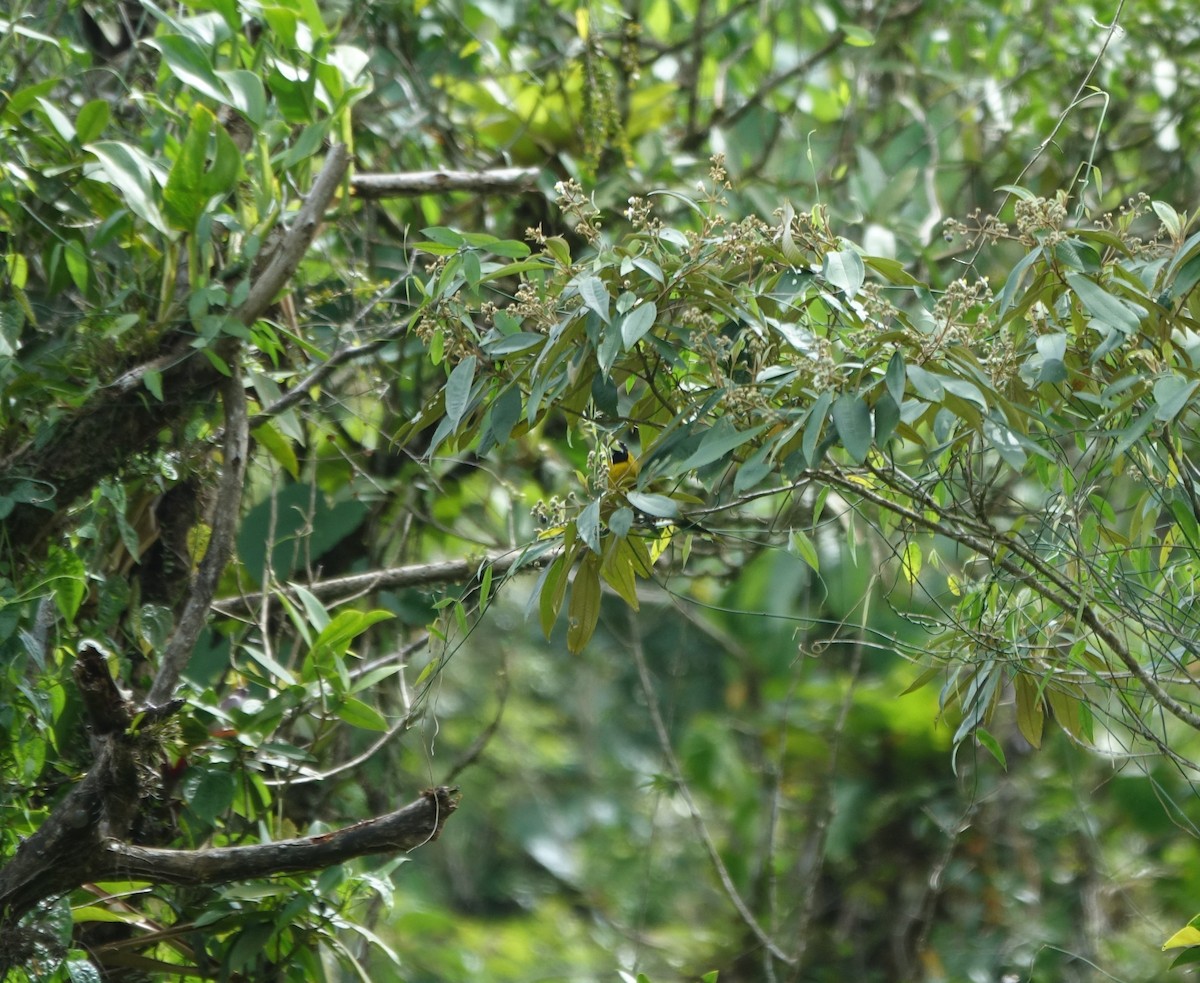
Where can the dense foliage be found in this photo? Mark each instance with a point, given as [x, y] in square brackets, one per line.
[818, 356]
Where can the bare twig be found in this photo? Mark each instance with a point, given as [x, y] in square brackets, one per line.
[505, 180]
[710, 847]
[416, 575]
[471, 755]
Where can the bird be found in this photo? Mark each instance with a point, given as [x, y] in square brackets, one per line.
[622, 467]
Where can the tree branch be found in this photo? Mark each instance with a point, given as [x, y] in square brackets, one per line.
[220, 545]
[676, 772]
[418, 823]
[1056, 587]
[410, 184]
[298, 239]
[119, 420]
[416, 575]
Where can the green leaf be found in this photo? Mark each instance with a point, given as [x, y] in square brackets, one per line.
[246, 94]
[553, 591]
[66, 573]
[1031, 717]
[658, 506]
[803, 547]
[134, 176]
[190, 64]
[196, 179]
[91, 120]
[812, 430]
[845, 270]
[887, 418]
[277, 445]
[152, 380]
[336, 636]
[1171, 395]
[857, 37]
[588, 525]
[619, 570]
[637, 322]
[362, 715]
[595, 296]
[509, 248]
[1169, 218]
[992, 746]
[1104, 307]
[894, 378]
[458, 389]
[209, 793]
[852, 418]
[927, 385]
[718, 441]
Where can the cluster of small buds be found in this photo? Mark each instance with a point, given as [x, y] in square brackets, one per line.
[1120, 222]
[550, 514]
[639, 215]
[631, 51]
[1002, 359]
[977, 228]
[952, 312]
[528, 307]
[1041, 220]
[823, 367]
[598, 462]
[487, 311]
[881, 310]
[717, 173]
[746, 405]
[455, 346]
[573, 201]
[745, 241]
[535, 234]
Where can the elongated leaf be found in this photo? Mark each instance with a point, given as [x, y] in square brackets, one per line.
[359, 714]
[458, 389]
[800, 544]
[1105, 307]
[895, 377]
[1031, 717]
[132, 173]
[853, 421]
[1171, 394]
[619, 570]
[584, 610]
[588, 525]
[190, 64]
[637, 322]
[718, 441]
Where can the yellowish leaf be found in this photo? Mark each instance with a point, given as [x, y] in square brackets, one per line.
[584, 609]
[1031, 715]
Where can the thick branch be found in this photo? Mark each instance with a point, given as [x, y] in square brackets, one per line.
[122, 419]
[71, 849]
[506, 180]
[299, 237]
[416, 824]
